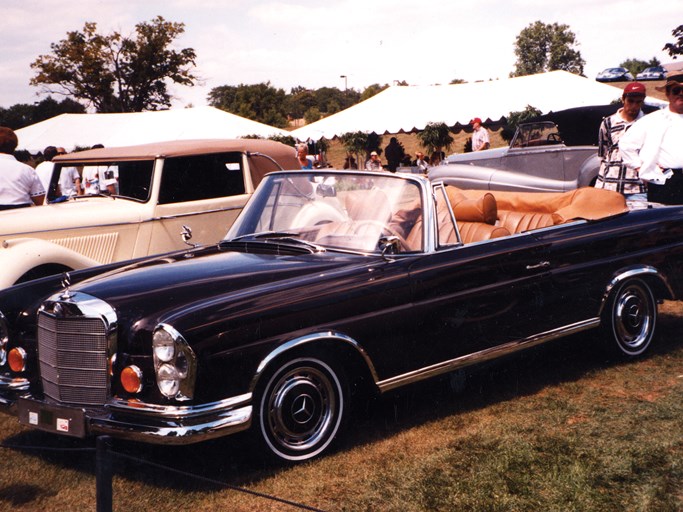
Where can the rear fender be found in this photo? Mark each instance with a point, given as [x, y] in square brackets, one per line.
[589, 171]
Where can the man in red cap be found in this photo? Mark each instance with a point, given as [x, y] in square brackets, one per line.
[614, 174]
[480, 137]
[653, 146]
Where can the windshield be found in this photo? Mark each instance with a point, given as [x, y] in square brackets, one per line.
[335, 210]
[536, 134]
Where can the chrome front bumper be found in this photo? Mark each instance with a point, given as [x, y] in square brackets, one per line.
[161, 424]
[10, 391]
[134, 420]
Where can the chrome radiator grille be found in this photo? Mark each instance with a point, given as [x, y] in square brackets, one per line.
[73, 357]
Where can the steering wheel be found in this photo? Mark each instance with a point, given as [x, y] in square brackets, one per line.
[383, 228]
[554, 138]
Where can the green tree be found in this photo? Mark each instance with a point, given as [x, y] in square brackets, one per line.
[542, 47]
[435, 137]
[260, 102]
[354, 144]
[675, 49]
[312, 115]
[635, 66]
[299, 101]
[21, 115]
[360, 144]
[116, 73]
[515, 118]
[371, 90]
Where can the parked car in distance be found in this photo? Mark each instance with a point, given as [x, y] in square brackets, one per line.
[614, 75]
[652, 73]
[536, 160]
[330, 285]
[161, 188]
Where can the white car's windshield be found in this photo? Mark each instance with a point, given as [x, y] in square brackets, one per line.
[335, 210]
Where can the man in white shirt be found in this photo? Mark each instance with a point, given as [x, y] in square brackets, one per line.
[19, 183]
[652, 146]
[44, 168]
[480, 137]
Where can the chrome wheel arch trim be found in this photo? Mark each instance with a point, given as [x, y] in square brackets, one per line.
[633, 272]
[308, 340]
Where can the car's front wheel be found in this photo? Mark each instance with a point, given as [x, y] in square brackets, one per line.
[630, 318]
[301, 408]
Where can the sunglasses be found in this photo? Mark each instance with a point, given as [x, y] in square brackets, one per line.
[676, 90]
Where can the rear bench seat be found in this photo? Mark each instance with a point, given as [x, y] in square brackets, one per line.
[476, 219]
[524, 211]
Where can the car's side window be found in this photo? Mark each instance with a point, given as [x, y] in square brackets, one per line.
[134, 179]
[193, 178]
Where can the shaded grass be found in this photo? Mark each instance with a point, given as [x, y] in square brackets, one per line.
[557, 428]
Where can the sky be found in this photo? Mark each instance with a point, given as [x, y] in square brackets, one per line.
[313, 43]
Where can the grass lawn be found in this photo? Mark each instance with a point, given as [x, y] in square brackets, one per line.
[558, 428]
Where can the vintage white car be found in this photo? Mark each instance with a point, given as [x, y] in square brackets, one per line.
[161, 189]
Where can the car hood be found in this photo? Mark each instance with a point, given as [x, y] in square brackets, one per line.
[165, 288]
[75, 213]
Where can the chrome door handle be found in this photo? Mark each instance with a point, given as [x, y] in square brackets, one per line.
[542, 264]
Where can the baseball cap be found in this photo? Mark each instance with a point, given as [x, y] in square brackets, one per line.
[475, 120]
[374, 153]
[634, 89]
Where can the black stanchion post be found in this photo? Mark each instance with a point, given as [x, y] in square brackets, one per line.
[103, 474]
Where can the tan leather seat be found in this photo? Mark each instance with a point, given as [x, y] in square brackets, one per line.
[479, 231]
[475, 217]
[516, 222]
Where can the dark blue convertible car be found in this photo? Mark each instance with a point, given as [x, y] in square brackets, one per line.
[330, 283]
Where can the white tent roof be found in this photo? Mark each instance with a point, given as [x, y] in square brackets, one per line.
[84, 130]
[404, 109]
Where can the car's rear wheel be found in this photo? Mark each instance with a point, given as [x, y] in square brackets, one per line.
[301, 408]
[630, 318]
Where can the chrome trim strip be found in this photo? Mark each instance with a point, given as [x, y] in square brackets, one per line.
[193, 214]
[484, 355]
[175, 411]
[27, 234]
[309, 338]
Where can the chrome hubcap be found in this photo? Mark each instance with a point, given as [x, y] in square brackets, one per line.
[634, 317]
[301, 412]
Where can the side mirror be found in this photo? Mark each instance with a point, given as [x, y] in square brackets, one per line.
[390, 245]
[186, 234]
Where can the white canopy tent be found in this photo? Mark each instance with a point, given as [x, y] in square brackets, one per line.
[404, 109]
[84, 130]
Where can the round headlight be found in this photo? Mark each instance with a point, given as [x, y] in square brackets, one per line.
[164, 346]
[168, 380]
